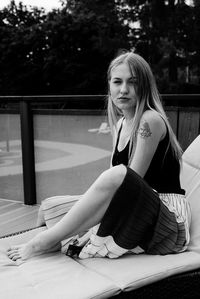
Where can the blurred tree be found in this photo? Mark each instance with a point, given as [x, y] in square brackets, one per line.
[21, 41]
[67, 51]
[167, 38]
[82, 38]
[64, 51]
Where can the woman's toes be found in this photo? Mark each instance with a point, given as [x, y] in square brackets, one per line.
[15, 257]
[13, 254]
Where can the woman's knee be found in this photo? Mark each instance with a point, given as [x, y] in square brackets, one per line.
[119, 173]
[114, 176]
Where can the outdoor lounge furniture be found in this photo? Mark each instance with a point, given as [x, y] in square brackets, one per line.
[56, 276]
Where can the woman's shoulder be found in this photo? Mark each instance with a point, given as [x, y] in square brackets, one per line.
[152, 116]
[155, 121]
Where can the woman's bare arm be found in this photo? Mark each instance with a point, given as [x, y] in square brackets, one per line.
[151, 130]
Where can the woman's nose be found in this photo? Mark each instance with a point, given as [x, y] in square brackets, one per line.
[124, 88]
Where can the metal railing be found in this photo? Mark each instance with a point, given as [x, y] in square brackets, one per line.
[95, 103]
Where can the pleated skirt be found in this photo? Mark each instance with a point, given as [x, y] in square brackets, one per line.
[137, 220]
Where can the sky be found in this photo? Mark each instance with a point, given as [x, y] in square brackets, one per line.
[47, 4]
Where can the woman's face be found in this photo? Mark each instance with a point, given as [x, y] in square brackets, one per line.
[122, 88]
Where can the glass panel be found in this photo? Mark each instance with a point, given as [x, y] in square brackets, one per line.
[11, 178]
[70, 152]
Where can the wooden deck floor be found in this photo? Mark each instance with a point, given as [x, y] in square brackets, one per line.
[15, 216]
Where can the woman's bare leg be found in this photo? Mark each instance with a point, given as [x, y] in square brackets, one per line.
[86, 213]
[40, 218]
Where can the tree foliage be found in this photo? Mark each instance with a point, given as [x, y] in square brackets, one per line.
[67, 51]
[168, 38]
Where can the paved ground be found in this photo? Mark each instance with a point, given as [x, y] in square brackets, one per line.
[70, 152]
[61, 168]
[56, 165]
[56, 155]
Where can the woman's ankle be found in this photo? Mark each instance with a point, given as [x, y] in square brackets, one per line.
[40, 218]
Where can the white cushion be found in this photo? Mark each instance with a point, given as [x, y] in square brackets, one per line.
[49, 276]
[133, 271]
[55, 275]
[190, 181]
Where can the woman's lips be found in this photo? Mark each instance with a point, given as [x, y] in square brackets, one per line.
[123, 99]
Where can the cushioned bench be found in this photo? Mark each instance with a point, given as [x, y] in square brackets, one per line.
[57, 276]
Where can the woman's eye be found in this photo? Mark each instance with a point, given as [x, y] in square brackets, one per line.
[133, 81]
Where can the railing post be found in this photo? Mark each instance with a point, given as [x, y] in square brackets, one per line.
[28, 157]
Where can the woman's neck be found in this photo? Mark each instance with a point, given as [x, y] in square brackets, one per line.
[128, 115]
[127, 127]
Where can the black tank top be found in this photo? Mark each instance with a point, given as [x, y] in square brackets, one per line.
[164, 170]
[120, 157]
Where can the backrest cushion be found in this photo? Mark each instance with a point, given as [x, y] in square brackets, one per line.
[190, 181]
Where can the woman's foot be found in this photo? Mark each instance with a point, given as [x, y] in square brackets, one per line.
[26, 251]
[41, 243]
[23, 252]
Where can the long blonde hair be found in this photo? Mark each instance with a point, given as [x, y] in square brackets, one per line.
[148, 98]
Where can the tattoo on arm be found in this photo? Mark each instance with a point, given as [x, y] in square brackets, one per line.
[144, 131]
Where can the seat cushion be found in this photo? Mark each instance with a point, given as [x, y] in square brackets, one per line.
[190, 181]
[130, 272]
[49, 276]
[55, 275]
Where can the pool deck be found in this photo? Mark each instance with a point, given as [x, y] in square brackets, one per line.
[15, 216]
[56, 164]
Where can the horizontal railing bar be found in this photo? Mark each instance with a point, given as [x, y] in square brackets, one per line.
[180, 96]
[50, 111]
[65, 98]
[48, 97]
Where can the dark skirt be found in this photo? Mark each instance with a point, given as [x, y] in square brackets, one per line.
[137, 220]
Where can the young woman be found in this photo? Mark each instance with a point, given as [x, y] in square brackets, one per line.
[137, 205]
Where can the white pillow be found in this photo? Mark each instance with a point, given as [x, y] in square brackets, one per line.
[190, 181]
